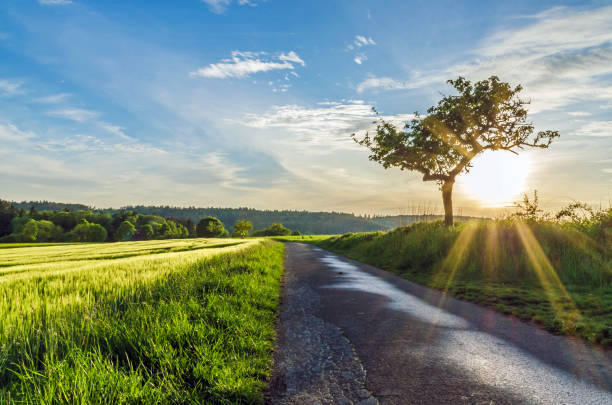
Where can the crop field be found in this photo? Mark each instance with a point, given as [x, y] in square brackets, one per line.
[171, 321]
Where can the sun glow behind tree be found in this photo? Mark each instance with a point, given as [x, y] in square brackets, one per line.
[497, 178]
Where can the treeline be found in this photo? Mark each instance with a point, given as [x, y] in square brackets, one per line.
[304, 221]
[85, 225]
[20, 225]
[320, 223]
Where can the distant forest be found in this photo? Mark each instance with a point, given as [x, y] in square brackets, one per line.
[303, 221]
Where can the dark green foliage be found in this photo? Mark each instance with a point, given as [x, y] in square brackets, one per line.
[295, 232]
[486, 115]
[88, 232]
[273, 230]
[494, 263]
[88, 226]
[210, 227]
[242, 228]
[126, 231]
[7, 213]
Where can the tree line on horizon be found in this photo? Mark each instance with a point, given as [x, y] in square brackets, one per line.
[21, 225]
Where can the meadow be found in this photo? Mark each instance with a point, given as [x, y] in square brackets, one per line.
[555, 274]
[172, 321]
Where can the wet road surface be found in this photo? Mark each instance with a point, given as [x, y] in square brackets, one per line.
[350, 333]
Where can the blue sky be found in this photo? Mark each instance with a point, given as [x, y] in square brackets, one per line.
[252, 103]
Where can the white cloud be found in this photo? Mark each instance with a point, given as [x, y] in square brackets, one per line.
[596, 128]
[73, 114]
[244, 64]
[55, 2]
[360, 41]
[291, 57]
[579, 113]
[360, 58]
[10, 88]
[331, 123]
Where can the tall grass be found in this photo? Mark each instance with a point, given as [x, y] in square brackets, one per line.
[112, 324]
[555, 274]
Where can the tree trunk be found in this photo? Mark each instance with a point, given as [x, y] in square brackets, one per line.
[447, 199]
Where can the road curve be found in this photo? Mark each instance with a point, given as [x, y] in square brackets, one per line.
[350, 333]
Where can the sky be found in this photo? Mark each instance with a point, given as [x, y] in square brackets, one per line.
[236, 103]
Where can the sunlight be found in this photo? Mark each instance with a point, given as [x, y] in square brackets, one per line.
[559, 298]
[496, 179]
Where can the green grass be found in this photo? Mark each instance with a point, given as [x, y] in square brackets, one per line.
[175, 321]
[555, 275]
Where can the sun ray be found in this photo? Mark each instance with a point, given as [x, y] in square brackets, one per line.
[560, 300]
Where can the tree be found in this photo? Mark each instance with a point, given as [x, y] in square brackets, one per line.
[7, 213]
[295, 232]
[88, 232]
[210, 227]
[487, 115]
[126, 231]
[242, 228]
[30, 231]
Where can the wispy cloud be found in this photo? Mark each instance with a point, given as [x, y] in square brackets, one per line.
[360, 58]
[73, 114]
[384, 83]
[291, 57]
[53, 98]
[114, 129]
[10, 87]
[329, 123]
[596, 128]
[220, 6]
[55, 2]
[361, 41]
[562, 57]
[244, 64]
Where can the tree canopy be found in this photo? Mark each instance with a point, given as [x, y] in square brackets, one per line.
[211, 227]
[486, 115]
[242, 228]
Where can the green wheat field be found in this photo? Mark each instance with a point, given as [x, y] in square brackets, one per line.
[172, 321]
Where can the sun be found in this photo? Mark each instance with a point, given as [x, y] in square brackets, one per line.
[496, 179]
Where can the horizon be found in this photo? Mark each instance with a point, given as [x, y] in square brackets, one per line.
[225, 103]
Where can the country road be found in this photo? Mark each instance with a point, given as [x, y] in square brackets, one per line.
[350, 333]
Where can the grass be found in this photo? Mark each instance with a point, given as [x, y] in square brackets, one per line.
[555, 275]
[174, 321]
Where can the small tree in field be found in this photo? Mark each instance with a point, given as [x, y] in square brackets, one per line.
[242, 228]
[487, 115]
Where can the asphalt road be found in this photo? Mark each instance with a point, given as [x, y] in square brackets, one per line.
[350, 333]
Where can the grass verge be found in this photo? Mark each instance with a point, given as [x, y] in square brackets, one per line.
[184, 327]
[546, 273]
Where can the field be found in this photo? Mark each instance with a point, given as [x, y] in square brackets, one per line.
[173, 321]
[556, 275]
